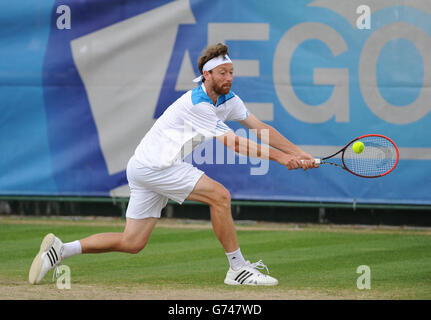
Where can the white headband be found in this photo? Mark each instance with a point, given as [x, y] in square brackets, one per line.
[211, 64]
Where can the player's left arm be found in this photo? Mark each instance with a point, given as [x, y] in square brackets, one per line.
[276, 139]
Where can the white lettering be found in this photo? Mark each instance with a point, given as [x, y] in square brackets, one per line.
[364, 20]
[368, 74]
[363, 281]
[63, 280]
[338, 104]
[64, 20]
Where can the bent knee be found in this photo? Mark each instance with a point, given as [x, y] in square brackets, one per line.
[221, 197]
[133, 247]
[135, 250]
[225, 196]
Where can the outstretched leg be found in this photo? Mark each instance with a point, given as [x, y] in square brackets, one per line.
[52, 251]
[134, 238]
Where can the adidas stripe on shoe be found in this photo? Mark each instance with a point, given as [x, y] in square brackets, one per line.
[48, 257]
[249, 275]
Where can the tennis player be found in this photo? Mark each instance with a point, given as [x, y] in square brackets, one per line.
[156, 172]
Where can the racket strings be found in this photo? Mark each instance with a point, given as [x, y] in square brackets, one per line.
[378, 157]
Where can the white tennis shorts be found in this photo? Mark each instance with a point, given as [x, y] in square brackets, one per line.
[150, 189]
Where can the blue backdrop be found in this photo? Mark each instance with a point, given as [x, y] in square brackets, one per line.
[82, 81]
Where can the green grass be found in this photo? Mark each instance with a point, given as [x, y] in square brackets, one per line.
[309, 260]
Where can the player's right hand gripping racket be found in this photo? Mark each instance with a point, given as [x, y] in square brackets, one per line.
[379, 157]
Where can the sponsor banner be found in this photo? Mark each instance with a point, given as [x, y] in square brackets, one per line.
[81, 82]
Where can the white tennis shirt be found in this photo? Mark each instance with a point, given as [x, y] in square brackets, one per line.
[186, 123]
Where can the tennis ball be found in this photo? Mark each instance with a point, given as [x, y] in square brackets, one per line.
[358, 147]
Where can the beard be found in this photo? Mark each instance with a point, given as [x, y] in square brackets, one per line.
[221, 90]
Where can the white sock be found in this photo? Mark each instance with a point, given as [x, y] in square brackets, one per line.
[71, 249]
[236, 260]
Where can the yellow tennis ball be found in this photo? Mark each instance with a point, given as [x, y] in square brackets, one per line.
[358, 147]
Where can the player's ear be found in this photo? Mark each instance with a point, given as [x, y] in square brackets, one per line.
[206, 74]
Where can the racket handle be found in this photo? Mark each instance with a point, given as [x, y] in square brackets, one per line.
[316, 160]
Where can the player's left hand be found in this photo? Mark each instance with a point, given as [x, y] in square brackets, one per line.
[307, 161]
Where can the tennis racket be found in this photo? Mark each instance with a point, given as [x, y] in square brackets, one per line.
[379, 157]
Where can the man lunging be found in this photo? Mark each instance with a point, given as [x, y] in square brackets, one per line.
[156, 172]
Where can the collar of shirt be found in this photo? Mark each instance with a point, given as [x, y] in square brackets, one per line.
[199, 94]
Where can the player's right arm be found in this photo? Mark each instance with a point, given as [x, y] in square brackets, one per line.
[250, 148]
[276, 140]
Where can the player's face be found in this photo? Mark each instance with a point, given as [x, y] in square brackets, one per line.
[221, 78]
